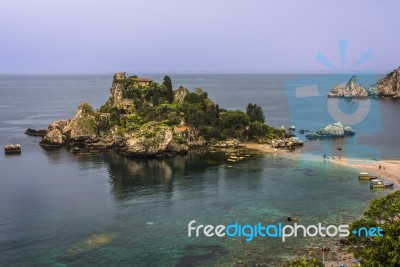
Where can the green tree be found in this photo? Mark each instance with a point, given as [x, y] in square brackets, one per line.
[235, 122]
[383, 250]
[255, 113]
[303, 262]
[193, 98]
[212, 115]
[168, 86]
[195, 116]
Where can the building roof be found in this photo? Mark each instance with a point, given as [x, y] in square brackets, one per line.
[182, 128]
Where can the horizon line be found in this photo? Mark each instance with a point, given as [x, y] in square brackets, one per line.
[192, 73]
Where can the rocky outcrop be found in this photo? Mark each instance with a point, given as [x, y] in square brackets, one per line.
[180, 93]
[288, 143]
[54, 138]
[12, 149]
[79, 131]
[60, 125]
[33, 132]
[333, 130]
[152, 140]
[83, 127]
[390, 85]
[350, 89]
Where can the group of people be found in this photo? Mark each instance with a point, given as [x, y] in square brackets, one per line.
[333, 157]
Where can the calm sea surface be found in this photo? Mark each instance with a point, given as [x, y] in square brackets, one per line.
[61, 209]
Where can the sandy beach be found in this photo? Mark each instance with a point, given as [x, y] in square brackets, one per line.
[385, 169]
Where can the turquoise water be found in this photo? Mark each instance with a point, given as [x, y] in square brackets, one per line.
[61, 209]
[143, 206]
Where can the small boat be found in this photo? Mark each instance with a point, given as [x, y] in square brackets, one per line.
[366, 176]
[376, 183]
[292, 128]
[347, 95]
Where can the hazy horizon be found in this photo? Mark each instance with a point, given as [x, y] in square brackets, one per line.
[207, 37]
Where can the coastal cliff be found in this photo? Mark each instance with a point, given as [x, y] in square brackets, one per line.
[144, 118]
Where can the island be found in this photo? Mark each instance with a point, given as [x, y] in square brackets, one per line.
[144, 118]
[387, 87]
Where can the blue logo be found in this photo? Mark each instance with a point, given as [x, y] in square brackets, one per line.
[310, 109]
[372, 231]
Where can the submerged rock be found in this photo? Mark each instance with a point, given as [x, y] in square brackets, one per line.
[333, 130]
[33, 132]
[12, 149]
[350, 89]
[92, 242]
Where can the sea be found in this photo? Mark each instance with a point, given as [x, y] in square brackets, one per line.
[64, 209]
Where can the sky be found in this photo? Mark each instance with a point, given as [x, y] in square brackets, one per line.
[203, 36]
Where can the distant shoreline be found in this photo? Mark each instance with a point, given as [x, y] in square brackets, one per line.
[390, 169]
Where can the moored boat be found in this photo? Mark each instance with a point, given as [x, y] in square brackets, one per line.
[366, 176]
[376, 183]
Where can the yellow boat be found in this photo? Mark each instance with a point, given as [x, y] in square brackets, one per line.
[366, 176]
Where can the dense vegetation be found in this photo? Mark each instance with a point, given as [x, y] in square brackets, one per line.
[383, 250]
[157, 103]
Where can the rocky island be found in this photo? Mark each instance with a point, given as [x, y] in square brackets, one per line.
[146, 118]
[388, 86]
[350, 89]
[333, 130]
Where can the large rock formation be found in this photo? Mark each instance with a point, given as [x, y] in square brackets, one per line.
[350, 89]
[116, 126]
[390, 85]
[333, 130]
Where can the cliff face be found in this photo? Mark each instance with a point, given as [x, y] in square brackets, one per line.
[390, 85]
